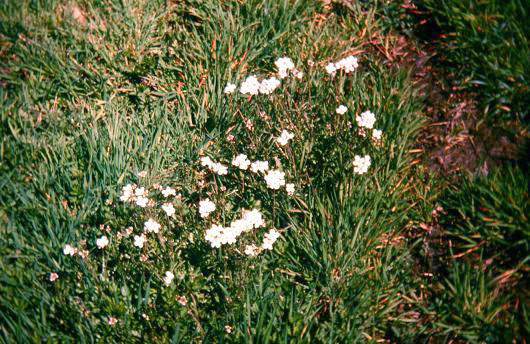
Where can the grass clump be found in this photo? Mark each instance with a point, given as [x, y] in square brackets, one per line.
[488, 226]
[484, 45]
[117, 126]
[95, 95]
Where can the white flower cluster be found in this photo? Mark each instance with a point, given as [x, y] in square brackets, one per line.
[289, 187]
[341, 110]
[366, 119]
[168, 191]
[69, 250]
[252, 250]
[140, 240]
[284, 137]
[259, 166]
[376, 134]
[206, 207]
[151, 226]
[219, 235]
[284, 65]
[270, 239]
[132, 193]
[268, 86]
[253, 86]
[275, 179]
[250, 85]
[348, 65]
[361, 164]
[229, 88]
[168, 208]
[102, 242]
[215, 167]
[241, 161]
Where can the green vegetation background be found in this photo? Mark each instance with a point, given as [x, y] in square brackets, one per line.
[90, 98]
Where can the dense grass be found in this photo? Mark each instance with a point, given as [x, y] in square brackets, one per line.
[487, 224]
[94, 92]
[484, 45]
[482, 51]
[139, 86]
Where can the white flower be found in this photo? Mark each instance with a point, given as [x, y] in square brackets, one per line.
[142, 174]
[241, 161]
[275, 179]
[361, 164]
[250, 86]
[259, 166]
[331, 69]
[284, 65]
[168, 208]
[289, 188]
[127, 193]
[229, 235]
[341, 110]
[169, 192]
[214, 235]
[218, 235]
[269, 239]
[268, 86]
[366, 120]
[168, 278]
[252, 250]
[229, 88]
[139, 240]
[102, 242]
[206, 207]
[139, 192]
[53, 276]
[112, 321]
[253, 218]
[207, 162]
[142, 201]
[228, 329]
[215, 167]
[348, 64]
[239, 226]
[69, 250]
[151, 226]
[284, 137]
[220, 169]
[376, 134]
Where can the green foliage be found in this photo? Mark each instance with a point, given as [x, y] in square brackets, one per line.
[94, 92]
[485, 45]
[488, 225]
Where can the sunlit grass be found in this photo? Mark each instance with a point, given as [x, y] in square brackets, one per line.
[94, 94]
